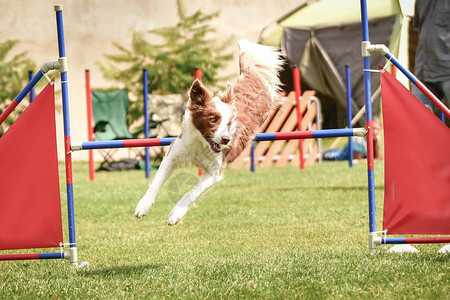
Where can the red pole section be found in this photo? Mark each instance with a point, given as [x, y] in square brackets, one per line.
[19, 256]
[90, 121]
[8, 111]
[298, 93]
[427, 240]
[444, 109]
[198, 75]
[393, 71]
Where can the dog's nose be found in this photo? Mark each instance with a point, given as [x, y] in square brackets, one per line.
[225, 140]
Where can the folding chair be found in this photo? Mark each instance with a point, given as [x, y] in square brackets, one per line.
[110, 109]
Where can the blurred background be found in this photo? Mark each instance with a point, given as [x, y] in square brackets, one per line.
[116, 39]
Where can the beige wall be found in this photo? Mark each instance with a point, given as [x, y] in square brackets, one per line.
[91, 26]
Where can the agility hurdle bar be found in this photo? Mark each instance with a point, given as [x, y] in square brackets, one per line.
[259, 137]
[366, 49]
[60, 65]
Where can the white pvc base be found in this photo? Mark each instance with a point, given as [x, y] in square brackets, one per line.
[84, 264]
[403, 249]
[445, 249]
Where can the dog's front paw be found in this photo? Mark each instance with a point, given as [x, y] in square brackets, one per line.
[176, 215]
[142, 208]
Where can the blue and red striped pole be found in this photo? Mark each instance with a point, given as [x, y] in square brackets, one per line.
[314, 134]
[26, 256]
[129, 143]
[369, 128]
[415, 240]
[67, 142]
[294, 135]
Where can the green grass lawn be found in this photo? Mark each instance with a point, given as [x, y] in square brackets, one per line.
[279, 233]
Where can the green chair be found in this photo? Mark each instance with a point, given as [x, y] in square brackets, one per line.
[110, 110]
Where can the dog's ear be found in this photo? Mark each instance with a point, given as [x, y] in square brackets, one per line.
[198, 94]
[228, 95]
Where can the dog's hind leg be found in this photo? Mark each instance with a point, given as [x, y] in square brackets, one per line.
[182, 206]
[165, 169]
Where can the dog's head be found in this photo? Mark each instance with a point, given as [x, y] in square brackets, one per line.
[212, 117]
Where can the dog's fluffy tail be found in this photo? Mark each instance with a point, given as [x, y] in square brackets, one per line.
[264, 60]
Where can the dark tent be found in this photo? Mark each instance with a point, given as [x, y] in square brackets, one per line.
[322, 51]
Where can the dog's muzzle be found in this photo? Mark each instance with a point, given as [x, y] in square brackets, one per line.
[225, 140]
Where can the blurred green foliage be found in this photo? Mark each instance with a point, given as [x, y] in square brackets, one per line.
[13, 78]
[170, 55]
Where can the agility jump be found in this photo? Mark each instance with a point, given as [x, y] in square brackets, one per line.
[61, 65]
[31, 238]
[409, 215]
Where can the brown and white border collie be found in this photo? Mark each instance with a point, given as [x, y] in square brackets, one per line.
[216, 129]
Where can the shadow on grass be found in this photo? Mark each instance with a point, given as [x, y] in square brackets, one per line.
[121, 270]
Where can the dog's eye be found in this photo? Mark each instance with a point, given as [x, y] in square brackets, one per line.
[213, 120]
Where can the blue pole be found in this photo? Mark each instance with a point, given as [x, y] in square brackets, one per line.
[349, 113]
[146, 121]
[442, 116]
[252, 158]
[68, 152]
[29, 86]
[51, 255]
[400, 240]
[402, 69]
[30, 77]
[369, 135]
